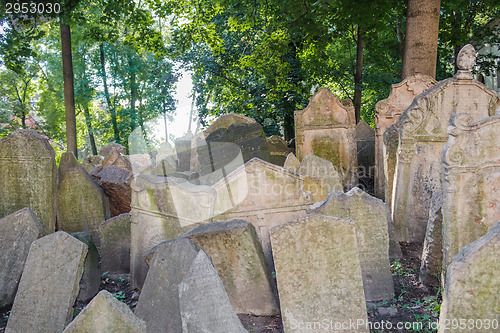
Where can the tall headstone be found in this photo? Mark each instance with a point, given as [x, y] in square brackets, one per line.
[28, 177]
[91, 278]
[471, 166]
[318, 273]
[204, 304]
[67, 161]
[237, 255]
[314, 166]
[81, 203]
[422, 135]
[158, 303]
[326, 128]
[371, 219]
[389, 152]
[278, 150]
[472, 287]
[114, 239]
[365, 143]
[387, 112]
[49, 285]
[106, 314]
[17, 231]
[183, 151]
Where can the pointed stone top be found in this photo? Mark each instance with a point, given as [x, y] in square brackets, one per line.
[325, 108]
[23, 139]
[107, 149]
[364, 132]
[292, 163]
[227, 120]
[466, 60]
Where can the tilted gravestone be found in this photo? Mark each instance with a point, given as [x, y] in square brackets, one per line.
[326, 128]
[237, 255]
[114, 239]
[422, 135]
[183, 151]
[106, 314]
[81, 203]
[17, 231]
[115, 182]
[278, 150]
[91, 278]
[292, 163]
[387, 112]
[110, 147]
[471, 167]
[371, 219]
[49, 285]
[432, 254]
[318, 273]
[472, 286]
[204, 304]
[314, 166]
[28, 176]
[158, 303]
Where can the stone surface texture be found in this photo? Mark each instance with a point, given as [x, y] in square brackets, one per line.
[115, 182]
[113, 146]
[292, 163]
[114, 239]
[278, 150]
[91, 278]
[365, 145]
[317, 167]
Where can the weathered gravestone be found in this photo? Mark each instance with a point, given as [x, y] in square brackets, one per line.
[110, 147]
[371, 219]
[158, 304]
[227, 120]
[81, 203]
[115, 182]
[326, 128]
[317, 167]
[387, 111]
[49, 285]
[274, 196]
[237, 255]
[472, 287]
[292, 163]
[432, 253]
[28, 177]
[91, 278]
[471, 166]
[68, 161]
[278, 150]
[422, 135]
[365, 144]
[106, 314]
[116, 159]
[318, 273]
[390, 149]
[17, 231]
[204, 304]
[183, 151]
[114, 239]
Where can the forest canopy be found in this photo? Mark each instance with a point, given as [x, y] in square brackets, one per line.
[258, 58]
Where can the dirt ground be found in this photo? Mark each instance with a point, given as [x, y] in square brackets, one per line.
[414, 308]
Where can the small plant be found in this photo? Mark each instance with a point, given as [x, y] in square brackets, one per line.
[120, 296]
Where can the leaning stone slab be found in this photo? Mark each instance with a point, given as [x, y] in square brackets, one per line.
[158, 304]
[227, 120]
[422, 136]
[318, 272]
[371, 219]
[115, 182]
[28, 176]
[432, 253]
[114, 238]
[110, 147]
[292, 163]
[326, 128]
[237, 255]
[49, 285]
[91, 278]
[81, 203]
[314, 166]
[278, 150]
[106, 314]
[204, 304]
[17, 231]
[472, 287]
[365, 143]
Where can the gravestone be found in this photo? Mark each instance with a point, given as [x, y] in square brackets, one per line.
[371, 219]
[106, 314]
[432, 253]
[422, 135]
[110, 147]
[227, 120]
[292, 163]
[114, 237]
[116, 159]
[115, 182]
[28, 176]
[390, 149]
[204, 304]
[278, 150]
[49, 285]
[365, 144]
[17, 231]
[91, 278]
[81, 203]
[272, 196]
[387, 112]
[472, 287]
[237, 255]
[68, 161]
[183, 151]
[471, 166]
[326, 128]
[317, 167]
[158, 303]
[318, 273]
[140, 162]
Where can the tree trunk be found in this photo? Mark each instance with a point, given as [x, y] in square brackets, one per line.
[69, 90]
[88, 121]
[422, 27]
[358, 85]
[111, 107]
